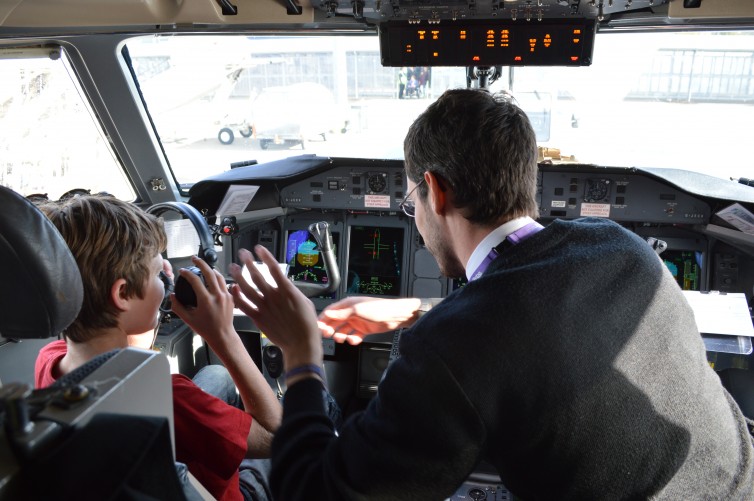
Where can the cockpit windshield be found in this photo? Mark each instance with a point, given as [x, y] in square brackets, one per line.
[675, 100]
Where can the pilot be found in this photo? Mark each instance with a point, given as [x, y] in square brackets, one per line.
[117, 247]
[570, 362]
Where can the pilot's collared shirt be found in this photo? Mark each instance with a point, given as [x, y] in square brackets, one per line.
[492, 240]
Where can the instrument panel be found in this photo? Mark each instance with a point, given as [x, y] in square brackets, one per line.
[623, 195]
[381, 253]
[351, 188]
[620, 195]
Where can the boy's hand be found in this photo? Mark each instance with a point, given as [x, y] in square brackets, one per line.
[212, 318]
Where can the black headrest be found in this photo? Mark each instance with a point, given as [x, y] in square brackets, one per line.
[41, 291]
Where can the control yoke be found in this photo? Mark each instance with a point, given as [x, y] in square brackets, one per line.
[321, 233]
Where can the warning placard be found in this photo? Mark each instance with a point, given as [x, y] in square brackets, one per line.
[595, 210]
[377, 201]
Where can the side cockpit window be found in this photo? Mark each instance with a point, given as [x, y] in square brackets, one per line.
[51, 142]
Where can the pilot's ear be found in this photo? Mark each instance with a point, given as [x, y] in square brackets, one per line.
[118, 295]
[437, 195]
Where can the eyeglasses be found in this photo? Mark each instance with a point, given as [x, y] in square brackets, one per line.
[407, 205]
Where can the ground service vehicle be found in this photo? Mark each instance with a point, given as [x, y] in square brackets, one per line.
[643, 110]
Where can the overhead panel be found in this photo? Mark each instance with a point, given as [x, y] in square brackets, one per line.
[711, 9]
[434, 11]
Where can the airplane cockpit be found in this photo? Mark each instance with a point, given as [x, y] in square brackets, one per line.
[280, 123]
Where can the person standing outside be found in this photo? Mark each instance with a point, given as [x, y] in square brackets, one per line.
[402, 80]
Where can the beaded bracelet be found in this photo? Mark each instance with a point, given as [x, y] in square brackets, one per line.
[304, 369]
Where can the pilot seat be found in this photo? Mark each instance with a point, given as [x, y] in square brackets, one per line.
[104, 431]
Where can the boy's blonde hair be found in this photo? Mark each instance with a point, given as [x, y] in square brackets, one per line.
[110, 239]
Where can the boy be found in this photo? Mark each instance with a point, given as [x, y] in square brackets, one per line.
[118, 249]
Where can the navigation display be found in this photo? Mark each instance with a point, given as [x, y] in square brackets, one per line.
[375, 259]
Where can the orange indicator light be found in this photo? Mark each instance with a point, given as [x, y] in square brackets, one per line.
[574, 58]
[475, 58]
[517, 58]
[576, 40]
[435, 54]
[577, 32]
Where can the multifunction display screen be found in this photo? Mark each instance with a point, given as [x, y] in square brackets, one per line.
[686, 268]
[375, 260]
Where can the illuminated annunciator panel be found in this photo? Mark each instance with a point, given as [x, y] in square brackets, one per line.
[375, 260]
[488, 43]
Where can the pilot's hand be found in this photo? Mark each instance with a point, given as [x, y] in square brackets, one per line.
[353, 318]
[281, 311]
[212, 318]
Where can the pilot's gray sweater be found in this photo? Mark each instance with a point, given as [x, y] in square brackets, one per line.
[573, 366]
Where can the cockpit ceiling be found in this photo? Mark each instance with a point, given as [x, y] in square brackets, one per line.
[151, 13]
[193, 15]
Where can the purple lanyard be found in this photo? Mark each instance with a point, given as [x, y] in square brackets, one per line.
[514, 238]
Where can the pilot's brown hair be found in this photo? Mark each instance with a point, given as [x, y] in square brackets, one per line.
[110, 239]
[484, 147]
